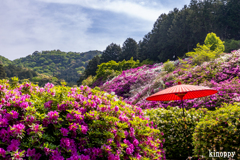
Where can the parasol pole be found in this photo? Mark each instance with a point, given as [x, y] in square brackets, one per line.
[185, 130]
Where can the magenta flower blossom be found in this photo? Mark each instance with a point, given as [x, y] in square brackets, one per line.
[73, 127]
[113, 157]
[110, 140]
[116, 108]
[14, 114]
[47, 151]
[129, 151]
[64, 131]
[36, 128]
[135, 142]
[126, 134]
[14, 145]
[17, 156]
[3, 122]
[106, 148]
[84, 129]
[30, 152]
[24, 105]
[132, 132]
[65, 143]
[74, 157]
[2, 152]
[17, 129]
[53, 115]
[48, 104]
[37, 156]
[85, 157]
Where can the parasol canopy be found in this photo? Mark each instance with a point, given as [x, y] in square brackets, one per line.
[181, 92]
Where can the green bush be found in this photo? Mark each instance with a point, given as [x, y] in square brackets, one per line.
[147, 61]
[170, 121]
[88, 81]
[203, 53]
[218, 131]
[231, 45]
[212, 48]
[112, 68]
[168, 66]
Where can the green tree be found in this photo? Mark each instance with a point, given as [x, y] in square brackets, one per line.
[214, 41]
[232, 16]
[231, 45]
[2, 72]
[129, 49]
[212, 48]
[112, 52]
[143, 50]
[92, 66]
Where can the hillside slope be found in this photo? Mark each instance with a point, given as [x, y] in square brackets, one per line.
[135, 85]
[4, 61]
[63, 65]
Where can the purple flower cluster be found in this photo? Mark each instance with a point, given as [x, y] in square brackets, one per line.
[126, 84]
[72, 123]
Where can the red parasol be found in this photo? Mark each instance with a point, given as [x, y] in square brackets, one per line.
[181, 92]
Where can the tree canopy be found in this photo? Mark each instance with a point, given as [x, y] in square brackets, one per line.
[177, 32]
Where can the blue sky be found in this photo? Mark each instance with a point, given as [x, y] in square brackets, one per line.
[75, 25]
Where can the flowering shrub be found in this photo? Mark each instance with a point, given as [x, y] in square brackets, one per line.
[218, 131]
[58, 122]
[125, 84]
[178, 137]
[221, 74]
[168, 66]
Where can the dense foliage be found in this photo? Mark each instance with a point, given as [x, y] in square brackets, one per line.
[218, 131]
[25, 74]
[212, 48]
[177, 132]
[4, 61]
[177, 32]
[112, 52]
[17, 71]
[2, 72]
[72, 123]
[231, 45]
[129, 49]
[113, 66]
[67, 66]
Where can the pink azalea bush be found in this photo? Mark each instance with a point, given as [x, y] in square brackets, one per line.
[58, 122]
[126, 84]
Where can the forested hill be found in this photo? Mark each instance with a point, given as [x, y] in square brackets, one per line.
[178, 32]
[4, 61]
[63, 65]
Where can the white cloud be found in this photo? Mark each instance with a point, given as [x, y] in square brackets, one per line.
[72, 25]
[139, 9]
[28, 26]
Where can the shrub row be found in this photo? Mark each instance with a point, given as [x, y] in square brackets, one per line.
[205, 130]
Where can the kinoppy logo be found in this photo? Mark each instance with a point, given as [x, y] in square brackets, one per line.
[221, 154]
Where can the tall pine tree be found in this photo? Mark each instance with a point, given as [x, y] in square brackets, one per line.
[112, 52]
[129, 49]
